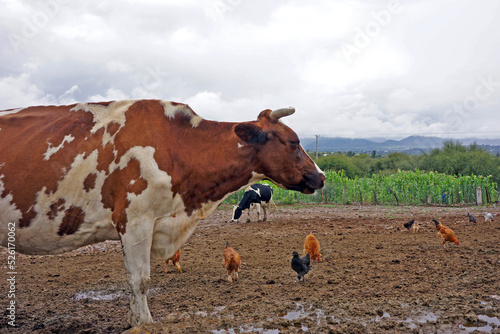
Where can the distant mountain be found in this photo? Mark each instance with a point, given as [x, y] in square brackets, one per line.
[326, 144]
[468, 141]
[412, 144]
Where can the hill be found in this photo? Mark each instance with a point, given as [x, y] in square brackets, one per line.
[411, 145]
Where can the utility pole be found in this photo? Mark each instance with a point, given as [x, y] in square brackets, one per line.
[317, 138]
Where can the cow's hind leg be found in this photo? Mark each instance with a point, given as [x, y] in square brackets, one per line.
[249, 209]
[136, 249]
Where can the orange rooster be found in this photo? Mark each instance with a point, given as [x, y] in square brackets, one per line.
[311, 247]
[175, 261]
[445, 233]
[232, 262]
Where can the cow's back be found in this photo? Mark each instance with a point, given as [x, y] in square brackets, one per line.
[265, 191]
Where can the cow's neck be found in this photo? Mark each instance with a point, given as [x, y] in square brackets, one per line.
[222, 166]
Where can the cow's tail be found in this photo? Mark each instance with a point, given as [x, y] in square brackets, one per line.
[272, 202]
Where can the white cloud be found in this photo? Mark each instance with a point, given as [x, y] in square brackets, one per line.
[18, 91]
[110, 95]
[209, 102]
[212, 106]
[117, 65]
[328, 69]
[87, 29]
[404, 99]
[68, 96]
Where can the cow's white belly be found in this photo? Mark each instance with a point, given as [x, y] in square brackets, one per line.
[42, 239]
[170, 233]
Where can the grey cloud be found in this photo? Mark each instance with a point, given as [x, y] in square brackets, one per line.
[230, 59]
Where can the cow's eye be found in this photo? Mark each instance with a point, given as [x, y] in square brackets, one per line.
[294, 144]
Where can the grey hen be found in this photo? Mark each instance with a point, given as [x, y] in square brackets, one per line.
[472, 219]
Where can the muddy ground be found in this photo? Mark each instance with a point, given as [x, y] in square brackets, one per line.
[375, 277]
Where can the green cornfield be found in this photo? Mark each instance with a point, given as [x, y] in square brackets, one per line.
[402, 188]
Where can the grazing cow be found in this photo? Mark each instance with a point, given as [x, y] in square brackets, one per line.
[140, 171]
[255, 196]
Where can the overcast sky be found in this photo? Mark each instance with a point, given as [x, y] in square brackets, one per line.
[354, 69]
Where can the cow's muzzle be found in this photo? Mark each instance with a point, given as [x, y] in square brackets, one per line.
[314, 182]
[310, 183]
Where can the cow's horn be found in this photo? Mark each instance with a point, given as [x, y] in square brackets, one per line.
[278, 113]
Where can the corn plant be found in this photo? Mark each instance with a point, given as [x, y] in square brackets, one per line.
[401, 188]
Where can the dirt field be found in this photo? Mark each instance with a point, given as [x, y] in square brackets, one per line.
[375, 277]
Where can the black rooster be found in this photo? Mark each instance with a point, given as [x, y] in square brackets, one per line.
[472, 219]
[301, 265]
[409, 224]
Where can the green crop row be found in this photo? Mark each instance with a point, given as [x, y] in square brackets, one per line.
[402, 188]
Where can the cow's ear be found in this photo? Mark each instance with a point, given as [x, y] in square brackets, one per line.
[250, 133]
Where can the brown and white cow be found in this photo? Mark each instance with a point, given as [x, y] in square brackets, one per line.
[141, 171]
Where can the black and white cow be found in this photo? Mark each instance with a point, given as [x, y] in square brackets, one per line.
[256, 196]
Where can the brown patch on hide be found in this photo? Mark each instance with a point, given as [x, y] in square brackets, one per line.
[89, 182]
[112, 128]
[116, 187]
[27, 217]
[55, 208]
[105, 158]
[72, 221]
[137, 186]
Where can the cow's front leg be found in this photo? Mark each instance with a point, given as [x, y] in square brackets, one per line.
[136, 249]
